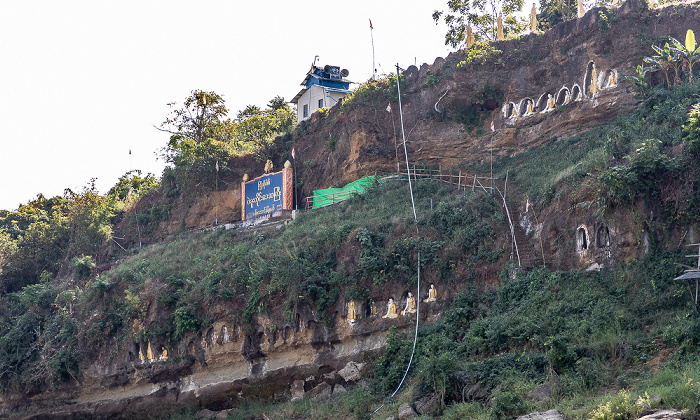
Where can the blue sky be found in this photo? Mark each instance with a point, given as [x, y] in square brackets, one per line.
[84, 82]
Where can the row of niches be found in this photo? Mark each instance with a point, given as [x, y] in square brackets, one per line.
[369, 310]
[224, 334]
[583, 241]
[593, 83]
[145, 353]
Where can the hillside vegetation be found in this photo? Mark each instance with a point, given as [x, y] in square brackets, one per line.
[504, 340]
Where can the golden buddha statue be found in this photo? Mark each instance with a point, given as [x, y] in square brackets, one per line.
[391, 309]
[550, 104]
[567, 97]
[533, 18]
[530, 108]
[351, 312]
[268, 166]
[594, 82]
[432, 294]
[470, 37]
[612, 81]
[410, 305]
[499, 29]
[164, 354]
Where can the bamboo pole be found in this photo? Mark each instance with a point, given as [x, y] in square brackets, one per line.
[459, 181]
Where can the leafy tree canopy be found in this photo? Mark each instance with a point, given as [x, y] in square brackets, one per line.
[552, 12]
[200, 112]
[256, 129]
[482, 16]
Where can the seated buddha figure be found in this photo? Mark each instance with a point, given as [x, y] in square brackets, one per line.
[410, 305]
[391, 311]
[432, 294]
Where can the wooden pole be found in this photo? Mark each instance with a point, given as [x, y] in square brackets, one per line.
[459, 181]
[474, 184]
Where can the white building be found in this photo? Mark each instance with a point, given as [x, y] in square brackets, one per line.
[323, 87]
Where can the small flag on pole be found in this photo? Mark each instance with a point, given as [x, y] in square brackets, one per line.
[493, 128]
[129, 151]
[293, 153]
[370, 24]
[388, 108]
[217, 166]
[527, 205]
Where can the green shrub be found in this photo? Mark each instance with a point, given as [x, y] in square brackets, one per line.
[507, 405]
[185, 321]
[82, 266]
[620, 407]
[470, 410]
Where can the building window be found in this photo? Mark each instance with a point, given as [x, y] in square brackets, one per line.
[306, 111]
[320, 103]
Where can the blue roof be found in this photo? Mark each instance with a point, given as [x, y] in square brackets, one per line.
[318, 76]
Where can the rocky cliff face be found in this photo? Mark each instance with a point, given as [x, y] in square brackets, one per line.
[224, 365]
[276, 358]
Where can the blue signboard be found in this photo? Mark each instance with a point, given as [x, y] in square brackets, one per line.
[264, 195]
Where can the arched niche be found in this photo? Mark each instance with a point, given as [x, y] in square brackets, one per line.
[603, 237]
[366, 310]
[287, 333]
[561, 96]
[541, 104]
[225, 337]
[608, 79]
[209, 337]
[576, 93]
[522, 106]
[508, 110]
[587, 79]
[582, 239]
[505, 111]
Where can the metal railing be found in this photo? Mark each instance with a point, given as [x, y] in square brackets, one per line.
[457, 178]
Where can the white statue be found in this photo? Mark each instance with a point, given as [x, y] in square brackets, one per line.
[391, 309]
[410, 305]
[432, 294]
[550, 104]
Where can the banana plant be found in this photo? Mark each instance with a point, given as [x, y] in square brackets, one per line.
[639, 80]
[688, 50]
[665, 60]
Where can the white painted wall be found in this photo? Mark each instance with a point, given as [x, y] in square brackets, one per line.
[311, 98]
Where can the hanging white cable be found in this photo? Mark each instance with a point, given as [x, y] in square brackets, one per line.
[415, 218]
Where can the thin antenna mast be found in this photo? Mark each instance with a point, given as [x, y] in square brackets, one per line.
[371, 34]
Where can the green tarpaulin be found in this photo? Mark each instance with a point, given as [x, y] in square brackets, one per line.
[328, 196]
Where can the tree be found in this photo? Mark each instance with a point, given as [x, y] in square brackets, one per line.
[555, 11]
[256, 129]
[277, 103]
[482, 16]
[200, 112]
[200, 137]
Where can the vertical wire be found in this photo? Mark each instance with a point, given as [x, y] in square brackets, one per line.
[415, 218]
